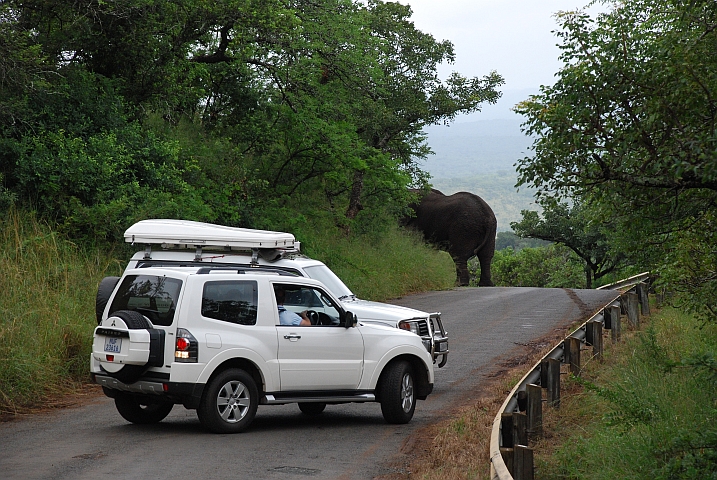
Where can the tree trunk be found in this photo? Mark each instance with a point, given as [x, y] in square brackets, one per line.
[588, 277]
[355, 199]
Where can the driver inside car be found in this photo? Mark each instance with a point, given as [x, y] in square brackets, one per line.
[287, 317]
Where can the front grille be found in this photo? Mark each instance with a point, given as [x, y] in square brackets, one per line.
[422, 328]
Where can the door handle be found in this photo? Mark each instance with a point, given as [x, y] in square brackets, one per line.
[293, 337]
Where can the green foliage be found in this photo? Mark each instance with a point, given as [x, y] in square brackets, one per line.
[574, 227]
[630, 122]
[215, 110]
[511, 240]
[657, 403]
[691, 267]
[553, 266]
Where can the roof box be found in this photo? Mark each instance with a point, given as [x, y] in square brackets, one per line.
[188, 234]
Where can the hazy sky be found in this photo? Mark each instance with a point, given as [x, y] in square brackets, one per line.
[513, 37]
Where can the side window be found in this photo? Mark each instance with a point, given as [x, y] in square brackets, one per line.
[153, 296]
[299, 299]
[230, 301]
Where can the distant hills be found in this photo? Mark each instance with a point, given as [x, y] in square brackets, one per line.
[480, 157]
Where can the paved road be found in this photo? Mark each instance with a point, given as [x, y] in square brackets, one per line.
[346, 442]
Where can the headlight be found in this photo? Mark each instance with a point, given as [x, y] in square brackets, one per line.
[410, 326]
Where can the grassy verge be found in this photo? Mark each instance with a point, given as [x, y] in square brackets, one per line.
[648, 412]
[47, 293]
[48, 287]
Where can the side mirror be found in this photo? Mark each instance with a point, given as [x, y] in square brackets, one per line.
[350, 319]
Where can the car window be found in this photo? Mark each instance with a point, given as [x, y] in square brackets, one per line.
[230, 301]
[299, 298]
[153, 296]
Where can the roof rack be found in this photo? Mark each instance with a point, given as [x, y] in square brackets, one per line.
[242, 270]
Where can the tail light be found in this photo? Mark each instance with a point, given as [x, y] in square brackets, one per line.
[186, 348]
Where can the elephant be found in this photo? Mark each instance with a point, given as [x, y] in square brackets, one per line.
[462, 224]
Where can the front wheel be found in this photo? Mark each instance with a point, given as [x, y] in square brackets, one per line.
[398, 398]
[229, 402]
[135, 410]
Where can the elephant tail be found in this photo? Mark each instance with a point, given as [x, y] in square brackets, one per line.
[489, 237]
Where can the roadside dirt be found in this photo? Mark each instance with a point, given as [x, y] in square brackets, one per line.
[83, 394]
[443, 449]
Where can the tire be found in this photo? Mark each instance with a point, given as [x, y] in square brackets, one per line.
[135, 321]
[229, 402]
[105, 289]
[136, 410]
[311, 408]
[397, 393]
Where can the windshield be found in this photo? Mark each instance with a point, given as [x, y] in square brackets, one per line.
[324, 274]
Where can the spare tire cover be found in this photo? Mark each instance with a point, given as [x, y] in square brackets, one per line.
[133, 321]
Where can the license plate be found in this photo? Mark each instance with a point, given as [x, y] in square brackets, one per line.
[113, 345]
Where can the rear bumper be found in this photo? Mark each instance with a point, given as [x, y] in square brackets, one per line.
[188, 394]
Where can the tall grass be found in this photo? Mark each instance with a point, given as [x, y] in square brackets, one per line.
[649, 415]
[47, 293]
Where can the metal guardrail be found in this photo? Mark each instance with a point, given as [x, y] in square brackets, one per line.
[628, 282]
[499, 469]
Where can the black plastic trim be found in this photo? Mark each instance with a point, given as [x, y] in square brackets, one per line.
[111, 332]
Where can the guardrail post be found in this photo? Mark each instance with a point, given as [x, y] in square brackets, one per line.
[535, 410]
[642, 289]
[633, 314]
[572, 355]
[553, 381]
[607, 319]
[595, 331]
[506, 430]
[507, 454]
[615, 325]
[520, 429]
[522, 463]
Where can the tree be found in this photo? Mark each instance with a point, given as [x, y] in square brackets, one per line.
[571, 225]
[631, 121]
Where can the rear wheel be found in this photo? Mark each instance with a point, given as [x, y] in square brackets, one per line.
[398, 398]
[312, 408]
[229, 402]
[138, 410]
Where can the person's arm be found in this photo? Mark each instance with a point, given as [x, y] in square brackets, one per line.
[305, 322]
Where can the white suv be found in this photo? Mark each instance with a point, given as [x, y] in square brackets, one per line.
[182, 242]
[209, 337]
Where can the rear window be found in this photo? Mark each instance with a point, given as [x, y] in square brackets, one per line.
[153, 296]
[230, 301]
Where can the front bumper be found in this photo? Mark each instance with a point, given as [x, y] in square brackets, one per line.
[436, 341]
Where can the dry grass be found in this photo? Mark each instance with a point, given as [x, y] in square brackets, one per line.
[459, 447]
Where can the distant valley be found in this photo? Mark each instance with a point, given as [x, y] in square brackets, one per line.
[480, 157]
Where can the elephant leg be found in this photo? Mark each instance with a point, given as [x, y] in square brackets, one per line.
[485, 280]
[462, 276]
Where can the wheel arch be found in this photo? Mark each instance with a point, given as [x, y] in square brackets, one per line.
[244, 364]
[420, 373]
